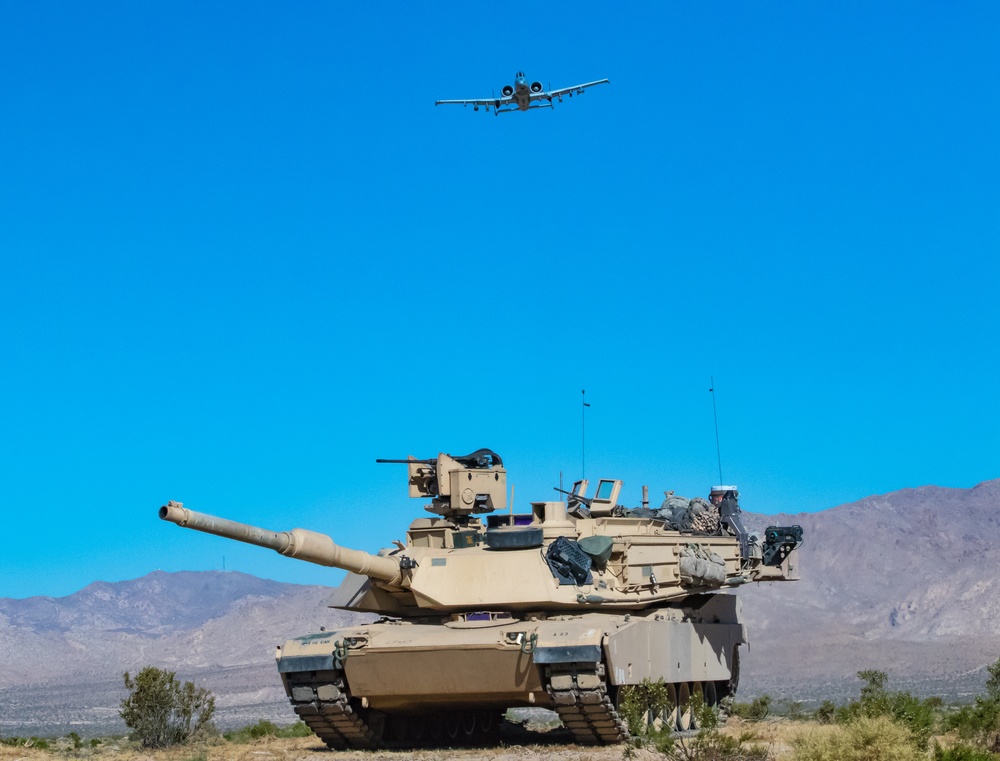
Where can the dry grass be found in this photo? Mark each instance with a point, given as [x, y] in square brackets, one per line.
[310, 749]
[781, 735]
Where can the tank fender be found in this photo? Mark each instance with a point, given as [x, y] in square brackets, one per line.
[569, 641]
[312, 652]
[568, 654]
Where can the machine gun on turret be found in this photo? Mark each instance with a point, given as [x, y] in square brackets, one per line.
[572, 497]
[458, 486]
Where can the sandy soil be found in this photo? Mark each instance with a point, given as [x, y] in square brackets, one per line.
[516, 746]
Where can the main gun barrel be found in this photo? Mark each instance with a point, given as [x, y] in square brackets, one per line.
[298, 543]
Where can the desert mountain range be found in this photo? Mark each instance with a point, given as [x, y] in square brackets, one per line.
[907, 582]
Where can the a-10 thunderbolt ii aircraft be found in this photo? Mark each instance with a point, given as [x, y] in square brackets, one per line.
[522, 96]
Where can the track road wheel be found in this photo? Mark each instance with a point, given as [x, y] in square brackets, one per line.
[711, 695]
[683, 707]
[451, 727]
[467, 727]
[669, 715]
[488, 726]
[417, 729]
[398, 728]
[697, 690]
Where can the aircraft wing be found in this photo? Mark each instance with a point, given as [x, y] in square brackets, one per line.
[478, 102]
[570, 90]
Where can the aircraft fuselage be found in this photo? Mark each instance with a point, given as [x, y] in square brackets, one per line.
[522, 92]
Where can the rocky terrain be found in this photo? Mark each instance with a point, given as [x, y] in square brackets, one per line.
[907, 582]
[62, 659]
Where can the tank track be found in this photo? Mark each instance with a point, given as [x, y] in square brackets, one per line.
[579, 694]
[322, 701]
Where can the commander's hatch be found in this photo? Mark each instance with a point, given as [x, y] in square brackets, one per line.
[577, 499]
[602, 503]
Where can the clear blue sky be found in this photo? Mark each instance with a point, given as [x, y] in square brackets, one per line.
[243, 255]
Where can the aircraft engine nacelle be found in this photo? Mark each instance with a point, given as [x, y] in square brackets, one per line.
[507, 91]
[536, 86]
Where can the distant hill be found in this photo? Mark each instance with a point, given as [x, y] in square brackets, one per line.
[62, 659]
[907, 582]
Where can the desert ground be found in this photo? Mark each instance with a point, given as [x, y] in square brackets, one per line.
[519, 746]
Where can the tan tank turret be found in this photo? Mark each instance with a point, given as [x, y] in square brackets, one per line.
[482, 611]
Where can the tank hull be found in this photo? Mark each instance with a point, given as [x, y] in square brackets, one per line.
[371, 685]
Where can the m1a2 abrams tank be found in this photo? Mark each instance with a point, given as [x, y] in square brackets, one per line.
[558, 608]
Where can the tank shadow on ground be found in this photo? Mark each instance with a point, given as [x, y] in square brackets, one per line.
[512, 734]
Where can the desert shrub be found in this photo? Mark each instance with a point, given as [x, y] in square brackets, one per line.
[980, 722]
[918, 716]
[756, 710]
[298, 729]
[265, 728]
[791, 709]
[863, 739]
[27, 742]
[636, 700]
[709, 744]
[262, 728]
[826, 712]
[962, 753]
[162, 711]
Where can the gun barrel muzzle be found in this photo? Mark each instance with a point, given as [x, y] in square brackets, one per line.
[298, 543]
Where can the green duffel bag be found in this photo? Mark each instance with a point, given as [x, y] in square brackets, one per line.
[598, 547]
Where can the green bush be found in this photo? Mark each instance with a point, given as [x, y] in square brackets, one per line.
[826, 712]
[298, 729]
[266, 728]
[756, 710]
[791, 709]
[637, 700]
[863, 739]
[962, 753]
[980, 722]
[25, 742]
[161, 711]
[709, 744]
[918, 716]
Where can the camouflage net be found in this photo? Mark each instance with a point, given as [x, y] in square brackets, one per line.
[683, 514]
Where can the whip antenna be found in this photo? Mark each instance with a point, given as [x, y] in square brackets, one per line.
[715, 413]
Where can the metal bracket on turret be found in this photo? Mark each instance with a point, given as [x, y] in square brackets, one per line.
[339, 654]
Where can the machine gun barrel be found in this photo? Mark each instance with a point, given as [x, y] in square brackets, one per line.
[573, 497]
[406, 462]
[298, 543]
